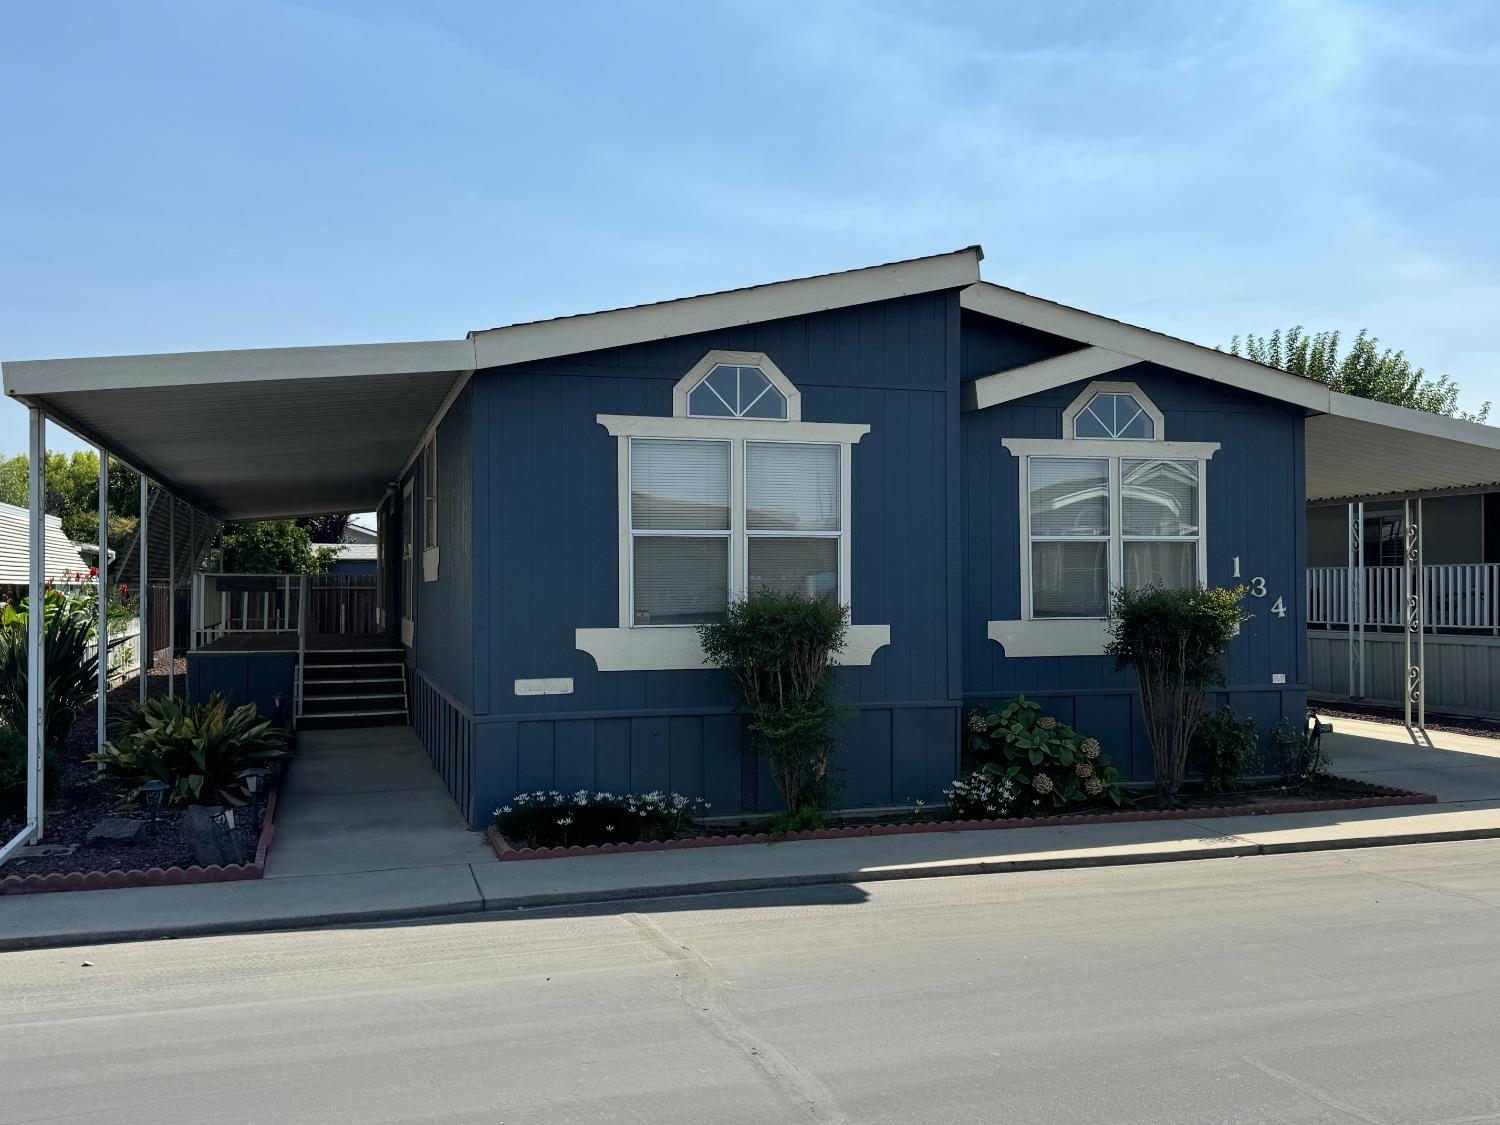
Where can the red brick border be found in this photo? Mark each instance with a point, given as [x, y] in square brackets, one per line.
[152, 876]
[1383, 796]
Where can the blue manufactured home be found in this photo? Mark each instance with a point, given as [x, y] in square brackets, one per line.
[573, 517]
[969, 468]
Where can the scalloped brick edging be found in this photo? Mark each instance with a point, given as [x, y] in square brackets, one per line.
[1382, 796]
[151, 876]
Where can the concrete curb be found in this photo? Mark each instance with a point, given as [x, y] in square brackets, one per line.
[467, 907]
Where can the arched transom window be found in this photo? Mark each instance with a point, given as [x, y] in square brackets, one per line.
[1115, 414]
[736, 391]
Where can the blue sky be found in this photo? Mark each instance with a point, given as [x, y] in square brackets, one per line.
[217, 175]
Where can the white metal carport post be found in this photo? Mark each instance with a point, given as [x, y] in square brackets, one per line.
[102, 625]
[36, 616]
[143, 597]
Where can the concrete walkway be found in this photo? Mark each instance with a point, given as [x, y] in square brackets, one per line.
[365, 837]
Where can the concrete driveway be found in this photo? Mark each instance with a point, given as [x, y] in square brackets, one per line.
[367, 800]
[1455, 768]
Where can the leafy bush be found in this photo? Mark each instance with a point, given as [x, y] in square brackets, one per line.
[13, 774]
[71, 670]
[198, 749]
[1299, 757]
[550, 819]
[778, 648]
[808, 818]
[1048, 762]
[1228, 747]
[1176, 641]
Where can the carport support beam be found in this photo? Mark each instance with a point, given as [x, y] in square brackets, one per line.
[102, 625]
[1356, 596]
[144, 596]
[1413, 587]
[36, 634]
[172, 598]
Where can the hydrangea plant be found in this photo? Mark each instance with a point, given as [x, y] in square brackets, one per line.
[1048, 764]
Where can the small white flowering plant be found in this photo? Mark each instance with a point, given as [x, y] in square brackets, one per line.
[1047, 764]
[549, 818]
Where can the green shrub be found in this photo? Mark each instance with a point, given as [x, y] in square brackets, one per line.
[778, 647]
[1299, 758]
[72, 671]
[550, 819]
[1049, 763]
[982, 794]
[808, 818]
[1176, 641]
[198, 749]
[1228, 747]
[13, 774]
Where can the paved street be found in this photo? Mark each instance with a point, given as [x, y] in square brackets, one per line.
[1344, 986]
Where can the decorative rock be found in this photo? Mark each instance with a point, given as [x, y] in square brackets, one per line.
[209, 843]
[116, 830]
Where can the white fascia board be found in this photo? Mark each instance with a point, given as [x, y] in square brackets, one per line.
[751, 429]
[176, 369]
[1111, 447]
[1145, 345]
[1414, 421]
[1044, 375]
[678, 648]
[521, 343]
[1050, 637]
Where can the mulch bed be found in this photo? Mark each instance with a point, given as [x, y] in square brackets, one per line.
[1329, 794]
[86, 798]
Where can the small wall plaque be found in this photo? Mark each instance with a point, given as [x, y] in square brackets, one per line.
[561, 685]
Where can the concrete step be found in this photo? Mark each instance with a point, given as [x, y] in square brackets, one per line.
[340, 720]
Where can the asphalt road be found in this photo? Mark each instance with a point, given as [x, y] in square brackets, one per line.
[1344, 986]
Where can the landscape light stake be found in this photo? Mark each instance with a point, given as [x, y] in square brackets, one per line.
[254, 778]
[152, 791]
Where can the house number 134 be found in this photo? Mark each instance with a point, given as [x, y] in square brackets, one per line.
[1258, 590]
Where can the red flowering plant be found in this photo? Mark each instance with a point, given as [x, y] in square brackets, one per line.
[1048, 763]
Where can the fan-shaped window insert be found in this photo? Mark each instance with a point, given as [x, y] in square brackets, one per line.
[734, 391]
[1114, 414]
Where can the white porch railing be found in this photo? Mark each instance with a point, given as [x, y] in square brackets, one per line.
[1455, 596]
[123, 650]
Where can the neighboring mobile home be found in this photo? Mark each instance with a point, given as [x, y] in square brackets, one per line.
[970, 469]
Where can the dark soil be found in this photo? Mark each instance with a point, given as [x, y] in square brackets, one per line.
[87, 798]
[1451, 724]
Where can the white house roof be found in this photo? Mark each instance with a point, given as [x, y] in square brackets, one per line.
[1355, 447]
[355, 552]
[274, 432]
[15, 548]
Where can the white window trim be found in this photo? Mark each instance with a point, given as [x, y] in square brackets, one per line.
[408, 567]
[430, 510]
[1087, 636]
[631, 647]
[1075, 408]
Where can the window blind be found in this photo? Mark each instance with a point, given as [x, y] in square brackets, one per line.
[791, 487]
[679, 485]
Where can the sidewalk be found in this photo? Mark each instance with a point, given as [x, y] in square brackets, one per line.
[455, 876]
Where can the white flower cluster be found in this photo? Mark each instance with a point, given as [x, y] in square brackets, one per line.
[642, 804]
[982, 791]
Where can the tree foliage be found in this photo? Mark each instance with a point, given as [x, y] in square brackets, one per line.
[325, 529]
[1364, 370]
[778, 647]
[72, 493]
[1176, 641]
[273, 547]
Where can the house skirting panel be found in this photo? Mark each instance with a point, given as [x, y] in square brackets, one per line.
[887, 755]
[1462, 674]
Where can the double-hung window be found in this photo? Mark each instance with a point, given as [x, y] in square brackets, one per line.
[429, 473]
[1110, 504]
[731, 495]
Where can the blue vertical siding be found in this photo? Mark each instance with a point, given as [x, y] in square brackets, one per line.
[1255, 491]
[545, 547]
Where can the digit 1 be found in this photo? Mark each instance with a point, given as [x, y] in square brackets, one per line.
[1236, 573]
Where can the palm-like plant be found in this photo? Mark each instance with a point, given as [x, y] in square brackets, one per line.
[71, 669]
[197, 749]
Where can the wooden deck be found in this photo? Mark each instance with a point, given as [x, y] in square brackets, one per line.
[287, 642]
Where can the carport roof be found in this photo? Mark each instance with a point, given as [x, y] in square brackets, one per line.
[274, 432]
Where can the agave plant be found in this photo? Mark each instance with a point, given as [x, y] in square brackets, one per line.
[72, 670]
[196, 749]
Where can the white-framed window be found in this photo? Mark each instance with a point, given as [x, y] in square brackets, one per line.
[429, 475]
[1110, 504]
[732, 494]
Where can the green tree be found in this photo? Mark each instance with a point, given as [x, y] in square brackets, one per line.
[72, 493]
[325, 529]
[1364, 370]
[273, 547]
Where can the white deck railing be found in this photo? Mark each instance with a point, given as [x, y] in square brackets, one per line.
[1455, 596]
